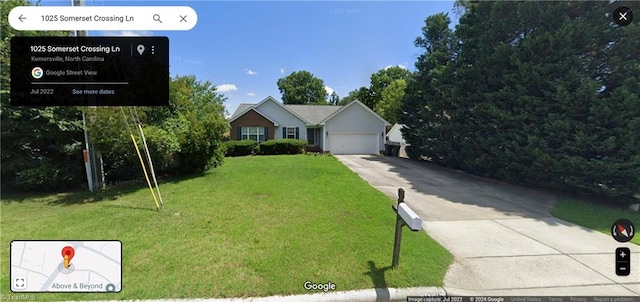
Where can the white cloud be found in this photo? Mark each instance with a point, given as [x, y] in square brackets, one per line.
[250, 72]
[251, 94]
[226, 87]
[281, 70]
[403, 66]
[328, 89]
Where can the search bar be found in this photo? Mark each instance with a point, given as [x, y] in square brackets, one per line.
[103, 18]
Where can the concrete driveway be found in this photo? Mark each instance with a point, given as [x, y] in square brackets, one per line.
[503, 238]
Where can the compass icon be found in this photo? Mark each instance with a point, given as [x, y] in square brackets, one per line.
[622, 230]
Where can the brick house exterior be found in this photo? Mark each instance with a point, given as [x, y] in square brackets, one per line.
[350, 129]
[252, 119]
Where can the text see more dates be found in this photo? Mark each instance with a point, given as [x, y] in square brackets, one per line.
[89, 71]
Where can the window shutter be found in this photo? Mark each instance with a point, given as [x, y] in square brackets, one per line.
[239, 133]
[266, 133]
[297, 132]
[284, 132]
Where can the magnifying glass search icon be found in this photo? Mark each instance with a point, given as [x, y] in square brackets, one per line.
[156, 17]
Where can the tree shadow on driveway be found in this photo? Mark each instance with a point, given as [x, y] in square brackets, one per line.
[449, 194]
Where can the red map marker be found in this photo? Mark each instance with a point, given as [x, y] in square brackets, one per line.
[67, 254]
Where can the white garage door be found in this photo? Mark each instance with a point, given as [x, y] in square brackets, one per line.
[354, 143]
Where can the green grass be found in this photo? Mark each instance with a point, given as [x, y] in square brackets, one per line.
[593, 215]
[257, 226]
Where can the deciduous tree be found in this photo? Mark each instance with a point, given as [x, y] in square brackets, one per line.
[302, 87]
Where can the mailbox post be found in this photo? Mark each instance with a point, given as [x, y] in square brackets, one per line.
[404, 216]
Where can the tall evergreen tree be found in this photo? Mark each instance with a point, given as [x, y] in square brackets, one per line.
[542, 93]
[427, 101]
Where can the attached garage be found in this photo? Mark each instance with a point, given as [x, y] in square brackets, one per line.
[350, 129]
[354, 143]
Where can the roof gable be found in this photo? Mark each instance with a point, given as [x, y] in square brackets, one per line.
[395, 127]
[356, 103]
[271, 99]
[240, 112]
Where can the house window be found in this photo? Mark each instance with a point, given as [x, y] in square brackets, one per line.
[253, 133]
[291, 132]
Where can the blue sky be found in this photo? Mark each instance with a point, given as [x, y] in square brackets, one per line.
[245, 47]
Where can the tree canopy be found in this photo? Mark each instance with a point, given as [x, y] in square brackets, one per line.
[41, 146]
[183, 137]
[302, 87]
[384, 94]
[540, 93]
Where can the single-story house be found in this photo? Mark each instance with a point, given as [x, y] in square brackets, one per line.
[395, 136]
[350, 129]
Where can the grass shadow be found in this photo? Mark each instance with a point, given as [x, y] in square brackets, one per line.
[379, 281]
[68, 198]
[129, 207]
[83, 197]
[175, 179]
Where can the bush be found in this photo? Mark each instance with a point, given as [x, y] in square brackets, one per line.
[242, 148]
[49, 176]
[283, 146]
[268, 147]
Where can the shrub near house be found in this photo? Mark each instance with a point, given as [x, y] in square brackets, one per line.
[270, 147]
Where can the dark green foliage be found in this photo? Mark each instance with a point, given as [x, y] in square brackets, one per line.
[196, 118]
[334, 98]
[539, 93]
[41, 146]
[290, 146]
[242, 148]
[302, 87]
[283, 146]
[184, 137]
[268, 147]
[362, 94]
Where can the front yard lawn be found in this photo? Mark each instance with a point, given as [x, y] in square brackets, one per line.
[257, 226]
[593, 215]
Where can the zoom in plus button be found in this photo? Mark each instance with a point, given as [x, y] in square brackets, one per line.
[623, 261]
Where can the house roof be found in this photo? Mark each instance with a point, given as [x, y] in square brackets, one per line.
[395, 127]
[357, 103]
[310, 114]
[270, 98]
[313, 114]
[242, 108]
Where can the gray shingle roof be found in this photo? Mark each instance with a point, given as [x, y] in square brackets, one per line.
[314, 114]
[241, 108]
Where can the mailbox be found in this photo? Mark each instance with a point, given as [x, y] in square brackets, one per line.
[410, 218]
[404, 216]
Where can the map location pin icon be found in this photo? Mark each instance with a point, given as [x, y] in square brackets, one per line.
[140, 49]
[67, 255]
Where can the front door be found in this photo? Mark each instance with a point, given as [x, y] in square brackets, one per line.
[311, 136]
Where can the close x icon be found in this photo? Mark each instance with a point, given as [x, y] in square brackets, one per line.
[623, 16]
